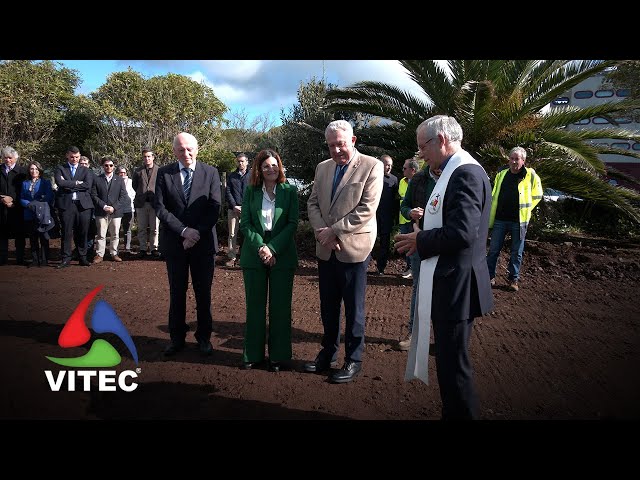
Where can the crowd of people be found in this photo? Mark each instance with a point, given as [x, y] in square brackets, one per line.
[445, 211]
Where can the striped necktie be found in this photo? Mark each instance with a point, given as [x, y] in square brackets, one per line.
[186, 186]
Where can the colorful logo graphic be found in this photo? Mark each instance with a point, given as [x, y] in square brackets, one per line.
[104, 320]
[434, 204]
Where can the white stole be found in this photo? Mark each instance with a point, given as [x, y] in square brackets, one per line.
[418, 359]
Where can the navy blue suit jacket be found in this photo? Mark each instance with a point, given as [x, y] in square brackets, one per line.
[235, 188]
[67, 185]
[461, 288]
[201, 213]
[43, 193]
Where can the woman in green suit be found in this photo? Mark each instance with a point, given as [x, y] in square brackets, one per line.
[268, 260]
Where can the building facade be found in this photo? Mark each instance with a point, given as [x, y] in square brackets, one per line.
[596, 90]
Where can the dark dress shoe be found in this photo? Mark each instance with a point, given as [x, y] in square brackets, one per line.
[347, 373]
[84, 262]
[275, 366]
[173, 348]
[251, 365]
[64, 265]
[319, 365]
[205, 347]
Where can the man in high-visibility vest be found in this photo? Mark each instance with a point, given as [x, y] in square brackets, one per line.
[409, 169]
[516, 191]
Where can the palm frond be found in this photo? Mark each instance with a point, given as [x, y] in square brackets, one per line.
[379, 99]
[561, 175]
[433, 80]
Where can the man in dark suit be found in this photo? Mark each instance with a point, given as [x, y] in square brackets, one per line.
[187, 202]
[11, 215]
[74, 204]
[454, 279]
[91, 234]
[144, 184]
[386, 213]
[236, 183]
[109, 195]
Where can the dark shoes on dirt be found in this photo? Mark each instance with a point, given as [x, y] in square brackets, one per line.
[173, 348]
[347, 373]
[273, 366]
[204, 346]
[323, 363]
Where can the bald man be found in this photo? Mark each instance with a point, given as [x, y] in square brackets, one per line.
[187, 202]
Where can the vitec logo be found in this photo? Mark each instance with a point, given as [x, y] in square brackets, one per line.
[101, 354]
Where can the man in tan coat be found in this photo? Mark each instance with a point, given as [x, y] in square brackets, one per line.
[342, 210]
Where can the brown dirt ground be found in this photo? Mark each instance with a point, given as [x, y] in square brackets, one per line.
[566, 346]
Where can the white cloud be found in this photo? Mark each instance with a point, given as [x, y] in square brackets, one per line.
[225, 92]
[238, 70]
[266, 86]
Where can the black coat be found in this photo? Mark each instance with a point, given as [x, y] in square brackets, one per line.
[11, 219]
[389, 205]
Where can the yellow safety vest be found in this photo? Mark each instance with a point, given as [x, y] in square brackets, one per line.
[529, 194]
[402, 191]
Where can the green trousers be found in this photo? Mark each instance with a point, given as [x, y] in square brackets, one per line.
[278, 284]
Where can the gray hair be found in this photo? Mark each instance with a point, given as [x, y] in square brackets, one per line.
[382, 157]
[443, 125]
[413, 163]
[339, 125]
[9, 152]
[521, 152]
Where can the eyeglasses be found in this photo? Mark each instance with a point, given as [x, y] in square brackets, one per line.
[424, 145]
[269, 167]
[108, 165]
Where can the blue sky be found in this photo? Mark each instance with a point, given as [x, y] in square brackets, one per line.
[252, 87]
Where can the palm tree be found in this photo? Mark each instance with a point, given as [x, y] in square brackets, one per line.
[501, 104]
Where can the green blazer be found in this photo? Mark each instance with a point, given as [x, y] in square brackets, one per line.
[283, 232]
